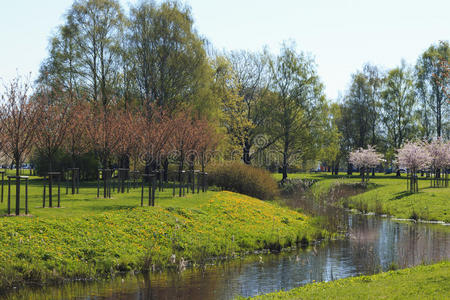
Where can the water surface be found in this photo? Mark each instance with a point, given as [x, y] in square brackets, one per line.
[372, 244]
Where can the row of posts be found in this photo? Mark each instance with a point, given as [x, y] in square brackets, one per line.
[125, 180]
[18, 180]
[130, 179]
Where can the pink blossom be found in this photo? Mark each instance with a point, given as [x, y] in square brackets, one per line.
[439, 152]
[365, 158]
[414, 156]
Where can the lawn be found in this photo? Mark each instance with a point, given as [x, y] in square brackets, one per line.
[388, 194]
[421, 282]
[96, 238]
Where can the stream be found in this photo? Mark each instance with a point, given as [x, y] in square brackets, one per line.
[372, 244]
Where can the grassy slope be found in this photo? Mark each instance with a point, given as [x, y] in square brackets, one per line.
[421, 282]
[92, 237]
[390, 192]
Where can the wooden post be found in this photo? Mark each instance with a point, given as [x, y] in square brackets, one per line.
[180, 183]
[59, 190]
[17, 195]
[50, 177]
[9, 195]
[3, 178]
[174, 186]
[198, 182]
[153, 179]
[142, 193]
[26, 195]
[149, 192]
[98, 183]
[43, 196]
[193, 182]
[183, 179]
[78, 181]
[67, 182]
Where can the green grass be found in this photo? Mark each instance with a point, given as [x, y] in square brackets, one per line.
[388, 194]
[421, 282]
[96, 238]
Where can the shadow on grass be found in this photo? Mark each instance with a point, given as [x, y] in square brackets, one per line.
[400, 195]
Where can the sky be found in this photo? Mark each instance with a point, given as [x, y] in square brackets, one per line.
[340, 35]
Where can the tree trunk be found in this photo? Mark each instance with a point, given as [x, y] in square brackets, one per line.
[17, 161]
[246, 152]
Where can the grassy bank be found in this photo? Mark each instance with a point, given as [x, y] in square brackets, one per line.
[387, 194]
[421, 282]
[91, 238]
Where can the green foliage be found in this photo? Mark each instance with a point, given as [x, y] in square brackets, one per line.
[88, 164]
[297, 106]
[398, 103]
[421, 282]
[244, 179]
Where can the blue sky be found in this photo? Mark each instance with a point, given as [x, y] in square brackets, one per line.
[341, 35]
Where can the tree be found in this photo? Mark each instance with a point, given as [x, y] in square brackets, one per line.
[98, 27]
[53, 125]
[103, 131]
[158, 133]
[171, 66]
[208, 140]
[365, 159]
[430, 70]
[398, 103]
[439, 152]
[398, 100]
[19, 115]
[296, 106]
[61, 70]
[250, 71]
[414, 157]
[233, 117]
[77, 142]
[330, 152]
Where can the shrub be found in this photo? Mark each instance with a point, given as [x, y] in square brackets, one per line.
[87, 163]
[244, 179]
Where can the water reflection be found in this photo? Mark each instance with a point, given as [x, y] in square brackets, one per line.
[372, 245]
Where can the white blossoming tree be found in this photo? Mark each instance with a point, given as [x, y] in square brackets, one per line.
[413, 156]
[365, 159]
[439, 152]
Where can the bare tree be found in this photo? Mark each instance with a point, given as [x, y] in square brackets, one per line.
[18, 118]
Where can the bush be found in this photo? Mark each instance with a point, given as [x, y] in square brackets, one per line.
[87, 163]
[244, 179]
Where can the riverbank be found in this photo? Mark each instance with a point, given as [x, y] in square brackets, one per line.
[421, 282]
[103, 238]
[386, 194]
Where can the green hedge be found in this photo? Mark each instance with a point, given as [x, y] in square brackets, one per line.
[241, 178]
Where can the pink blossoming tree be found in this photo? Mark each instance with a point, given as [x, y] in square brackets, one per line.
[365, 159]
[439, 152]
[414, 156]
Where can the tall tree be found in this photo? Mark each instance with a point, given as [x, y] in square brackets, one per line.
[53, 125]
[98, 25]
[298, 102]
[171, 66]
[430, 70]
[252, 82]
[398, 103]
[18, 118]
[61, 70]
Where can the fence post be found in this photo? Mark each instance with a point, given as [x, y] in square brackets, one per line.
[26, 196]
[43, 196]
[59, 190]
[3, 177]
[9, 195]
